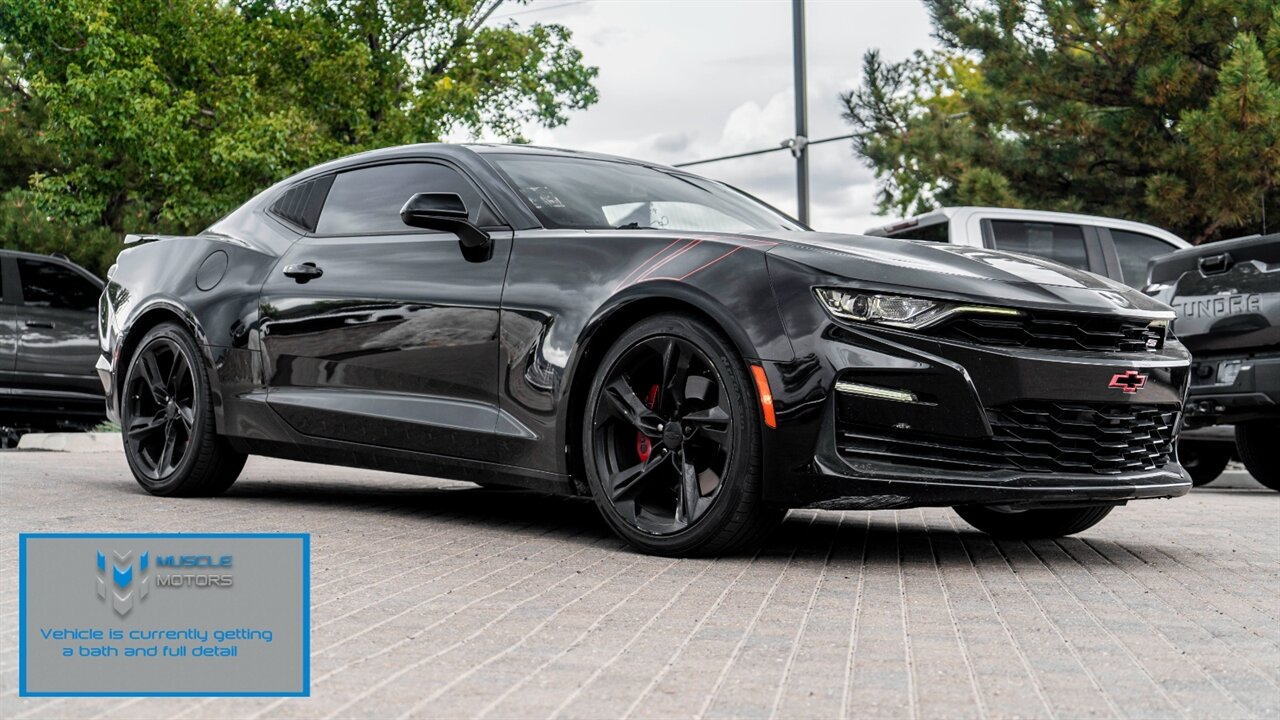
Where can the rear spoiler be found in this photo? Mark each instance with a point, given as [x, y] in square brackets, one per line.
[132, 239]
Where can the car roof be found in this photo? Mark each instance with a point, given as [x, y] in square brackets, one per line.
[962, 212]
[458, 149]
[523, 149]
[460, 153]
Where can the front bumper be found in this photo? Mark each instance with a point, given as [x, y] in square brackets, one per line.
[880, 487]
[988, 426]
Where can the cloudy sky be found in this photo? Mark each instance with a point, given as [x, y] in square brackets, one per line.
[684, 80]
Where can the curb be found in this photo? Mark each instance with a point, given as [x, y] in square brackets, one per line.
[77, 442]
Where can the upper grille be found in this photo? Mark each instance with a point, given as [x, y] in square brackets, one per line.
[1058, 332]
[1038, 436]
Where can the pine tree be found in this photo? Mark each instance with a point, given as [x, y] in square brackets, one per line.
[1162, 111]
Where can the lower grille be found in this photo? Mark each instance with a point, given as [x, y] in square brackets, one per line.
[1035, 436]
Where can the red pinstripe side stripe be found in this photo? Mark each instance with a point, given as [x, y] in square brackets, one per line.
[646, 262]
[706, 265]
[668, 259]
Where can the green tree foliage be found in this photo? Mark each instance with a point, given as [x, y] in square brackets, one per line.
[21, 115]
[1163, 111]
[161, 115]
[24, 227]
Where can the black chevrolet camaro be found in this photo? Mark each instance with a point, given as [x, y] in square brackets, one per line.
[689, 357]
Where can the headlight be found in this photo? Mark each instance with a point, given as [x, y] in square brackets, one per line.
[897, 310]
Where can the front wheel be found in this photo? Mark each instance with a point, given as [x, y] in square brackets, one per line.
[166, 418]
[1032, 524]
[671, 441]
[1258, 442]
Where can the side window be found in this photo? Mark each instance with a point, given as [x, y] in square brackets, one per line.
[46, 284]
[1058, 242]
[301, 203]
[368, 201]
[1134, 250]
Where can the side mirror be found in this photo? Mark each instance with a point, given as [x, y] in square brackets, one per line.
[446, 212]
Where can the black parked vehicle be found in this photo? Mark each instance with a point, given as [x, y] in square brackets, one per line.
[48, 345]
[691, 358]
[1227, 296]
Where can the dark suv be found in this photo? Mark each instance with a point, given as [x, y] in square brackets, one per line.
[48, 344]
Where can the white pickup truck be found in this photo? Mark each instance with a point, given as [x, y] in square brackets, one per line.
[1118, 249]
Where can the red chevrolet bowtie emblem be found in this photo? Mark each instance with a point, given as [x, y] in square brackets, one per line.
[1129, 381]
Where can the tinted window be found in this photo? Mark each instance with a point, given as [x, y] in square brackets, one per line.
[1061, 243]
[368, 201]
[51, 285]
[1134, 250]
[301, 203]
[600, 194]
[936, 232]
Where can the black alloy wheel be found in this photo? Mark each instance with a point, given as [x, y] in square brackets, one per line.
[662, 437]
[161, 408]
[167, 422]
[672, 441]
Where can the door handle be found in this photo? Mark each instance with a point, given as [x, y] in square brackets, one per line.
[40, 324]
[303, 272]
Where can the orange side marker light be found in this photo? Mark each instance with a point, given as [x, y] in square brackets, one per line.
[766, 396]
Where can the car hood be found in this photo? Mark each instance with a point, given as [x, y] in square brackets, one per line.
[958, 272]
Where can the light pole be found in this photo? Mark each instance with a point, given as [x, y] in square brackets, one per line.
[800, 143]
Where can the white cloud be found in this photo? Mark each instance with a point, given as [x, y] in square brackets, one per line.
[682, 81]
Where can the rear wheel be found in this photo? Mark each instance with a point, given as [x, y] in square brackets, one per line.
[1204, 460]
[671, 442]
[1258, 442]
[166, 418]
[1030, 524]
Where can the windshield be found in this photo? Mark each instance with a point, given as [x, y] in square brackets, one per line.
[592, 194]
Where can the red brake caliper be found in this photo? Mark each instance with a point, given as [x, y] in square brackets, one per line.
[643, 445]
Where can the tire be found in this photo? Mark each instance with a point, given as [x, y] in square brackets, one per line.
[671, 441]
[1032, 524]
[1258, 442]
[1204, 460]
[167, 423]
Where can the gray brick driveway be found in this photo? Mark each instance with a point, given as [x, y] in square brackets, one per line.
[439, 599]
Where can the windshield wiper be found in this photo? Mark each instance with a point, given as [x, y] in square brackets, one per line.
[633, 226]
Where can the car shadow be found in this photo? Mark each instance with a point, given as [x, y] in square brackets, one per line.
[869, 539]
[465, 505]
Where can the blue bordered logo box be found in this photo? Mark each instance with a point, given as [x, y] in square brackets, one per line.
[164, 615]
